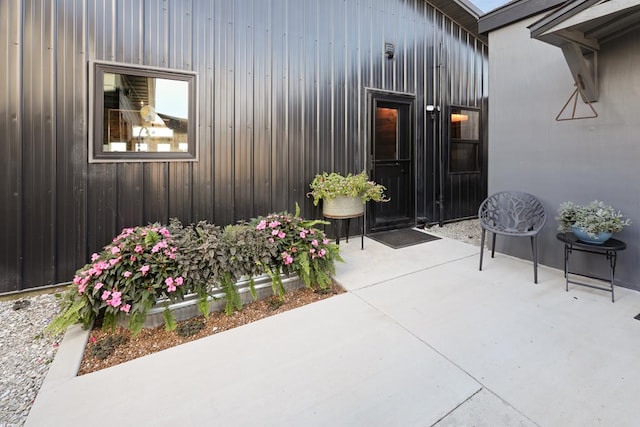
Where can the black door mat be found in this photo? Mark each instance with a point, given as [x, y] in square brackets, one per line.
[397, 239]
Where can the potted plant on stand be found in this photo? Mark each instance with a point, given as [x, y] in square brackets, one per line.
[345, 196]
[593, 223]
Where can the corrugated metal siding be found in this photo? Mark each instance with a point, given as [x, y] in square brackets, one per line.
[281, 97]
[11, 146]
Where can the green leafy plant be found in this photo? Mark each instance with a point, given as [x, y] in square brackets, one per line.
[594, 218]
[198, 258]
[147, 266]
[105, 347]
[242, 254]
[138, 268]
[192, 327]
[301, 249]
[331, 185]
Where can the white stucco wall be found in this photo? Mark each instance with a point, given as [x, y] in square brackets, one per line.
[579, 160]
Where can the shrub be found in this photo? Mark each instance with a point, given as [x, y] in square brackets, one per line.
[242, 253]
[331, 185]
[302, 249]
[594, 218]
[197, 256]
[138, 268]
[144, 266]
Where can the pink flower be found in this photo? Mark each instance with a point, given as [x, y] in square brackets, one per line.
[114, 261]
[179, 281]
[271, 240]
[92, 339]
[288, 259]
[105, 295]
[144, 269]
[94, 257]
[262, 225]
[303, 234]
[133, 258]
[115, 250]
[325, 241]
[99, 285]
[115, 299]
[127, 274]
[312, 232]
[172, 256]
[138, 249]
[282, 234]
[314, 242]
[125, 308]
[77, 279]
[170, 286]
[174, 249]
[165, 232]
[274, 224]
[274, 233]
[81, 288]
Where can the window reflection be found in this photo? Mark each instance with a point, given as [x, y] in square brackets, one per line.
[145, 114]
[464, 140]
[386, 138]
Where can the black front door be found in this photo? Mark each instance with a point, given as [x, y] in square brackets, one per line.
[392, 162]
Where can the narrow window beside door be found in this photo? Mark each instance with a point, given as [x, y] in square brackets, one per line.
[464, 139]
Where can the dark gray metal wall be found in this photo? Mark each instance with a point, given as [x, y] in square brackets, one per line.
[282, 96]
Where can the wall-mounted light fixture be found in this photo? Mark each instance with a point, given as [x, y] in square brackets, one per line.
[433, 110]
[389, 50]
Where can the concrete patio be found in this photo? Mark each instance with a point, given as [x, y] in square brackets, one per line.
[421, 338]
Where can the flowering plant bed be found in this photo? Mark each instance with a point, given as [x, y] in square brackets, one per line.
[108, 348]
[146, 265]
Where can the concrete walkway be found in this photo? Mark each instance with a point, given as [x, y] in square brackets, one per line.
[422, 338]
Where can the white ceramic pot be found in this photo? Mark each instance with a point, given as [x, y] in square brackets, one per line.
[343, 207]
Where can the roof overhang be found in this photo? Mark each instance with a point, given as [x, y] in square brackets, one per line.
[463, 12]
[579, 28]
[514, 11]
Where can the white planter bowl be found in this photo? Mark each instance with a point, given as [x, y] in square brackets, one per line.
[343, 207]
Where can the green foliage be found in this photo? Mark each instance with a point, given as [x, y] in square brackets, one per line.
[144, 266]
[594, 218]
[105, 347]
[197, 254]
[331, 185]
[302, 249]
[170, 323]
[71, 313]
[192, 327]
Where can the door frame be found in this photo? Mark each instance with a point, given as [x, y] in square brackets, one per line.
[373, 96]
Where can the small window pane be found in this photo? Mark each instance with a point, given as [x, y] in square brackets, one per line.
[465, 124]
[142, 114]
[464, 157]
[386, 139]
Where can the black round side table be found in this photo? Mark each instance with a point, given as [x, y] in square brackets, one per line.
[609, 249]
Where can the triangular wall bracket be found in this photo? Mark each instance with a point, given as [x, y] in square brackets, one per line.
[574, 96]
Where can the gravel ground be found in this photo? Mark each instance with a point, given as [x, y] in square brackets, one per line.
[467, 231]
[25, 353]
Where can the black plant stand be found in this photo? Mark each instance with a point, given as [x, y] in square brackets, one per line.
[609, 249]
[337, 223]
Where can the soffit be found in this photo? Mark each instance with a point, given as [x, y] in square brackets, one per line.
[589, 23]
[513, 12]
[463, 12]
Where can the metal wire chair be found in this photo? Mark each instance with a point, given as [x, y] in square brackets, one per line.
[512, 213]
